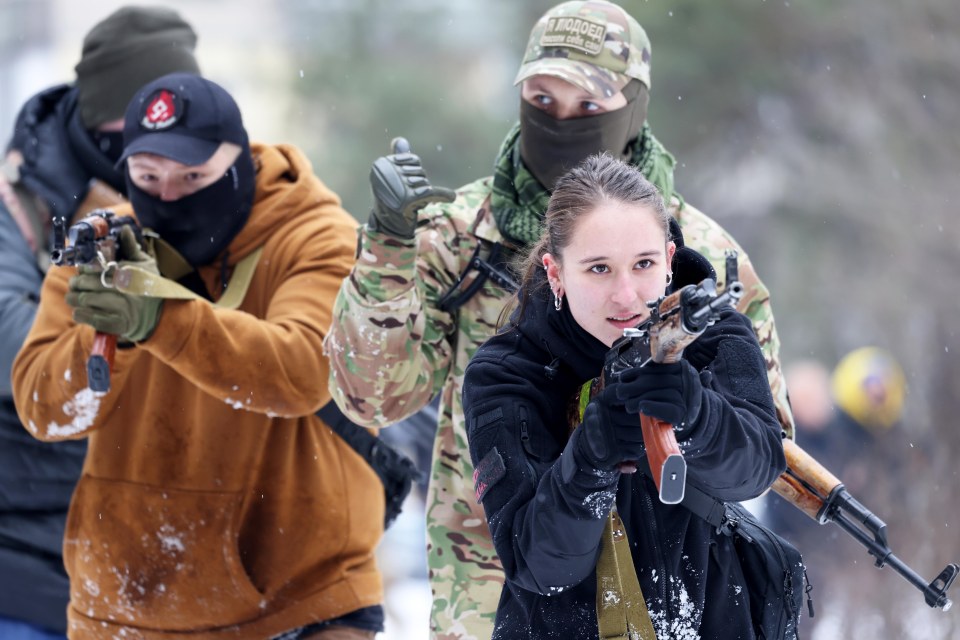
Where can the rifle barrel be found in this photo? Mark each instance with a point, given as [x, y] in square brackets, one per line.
[934, 593]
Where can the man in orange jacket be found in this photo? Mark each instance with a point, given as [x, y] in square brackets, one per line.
[213, 502]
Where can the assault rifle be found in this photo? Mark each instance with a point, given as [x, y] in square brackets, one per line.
[675, 321]
[808, 486]
[93, 240]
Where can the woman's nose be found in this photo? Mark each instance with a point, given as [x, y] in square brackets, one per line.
[624, 292]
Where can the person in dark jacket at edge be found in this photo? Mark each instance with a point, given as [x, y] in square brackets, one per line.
[607, 250]
[214, 503]
[60, 161]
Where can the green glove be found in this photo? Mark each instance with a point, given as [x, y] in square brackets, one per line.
[110, 311]
[400, 189]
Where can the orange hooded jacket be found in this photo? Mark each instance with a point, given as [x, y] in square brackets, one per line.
[213, 503]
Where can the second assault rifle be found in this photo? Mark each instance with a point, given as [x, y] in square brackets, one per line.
[677, 320]
[93, 240]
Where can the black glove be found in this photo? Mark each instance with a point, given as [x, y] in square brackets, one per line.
[670, 392]
[400, 189]
[610, 435]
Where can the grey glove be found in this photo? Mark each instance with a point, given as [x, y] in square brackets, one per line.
[400, 189]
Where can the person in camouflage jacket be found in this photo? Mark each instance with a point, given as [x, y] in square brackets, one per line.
[432, 275]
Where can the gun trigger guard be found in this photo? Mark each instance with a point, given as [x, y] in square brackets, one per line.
[108, 270]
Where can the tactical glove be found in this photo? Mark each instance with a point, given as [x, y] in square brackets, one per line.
[400, 189]
[610, 434]
[110, 311]
[669, 392]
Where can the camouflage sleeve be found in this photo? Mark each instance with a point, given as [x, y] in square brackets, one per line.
[707, 237]
[390, 347]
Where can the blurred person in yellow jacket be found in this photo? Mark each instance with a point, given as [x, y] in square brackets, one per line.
[213, 502]
[847, 420]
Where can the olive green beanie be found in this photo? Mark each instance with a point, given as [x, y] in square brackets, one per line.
[129, 48]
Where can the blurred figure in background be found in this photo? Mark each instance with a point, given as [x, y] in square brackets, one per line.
[60, 162]
[429, 286]
[848, 421]
[869, 389]
[844, 419]
[808, 386]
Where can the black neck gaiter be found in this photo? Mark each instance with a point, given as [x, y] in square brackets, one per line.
[200, 226]
[97, 152]
[551, 147]
[109, 142]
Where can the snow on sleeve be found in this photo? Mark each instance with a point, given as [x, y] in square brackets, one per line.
[82, 410]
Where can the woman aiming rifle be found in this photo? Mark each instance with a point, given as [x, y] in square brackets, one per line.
[607, 249]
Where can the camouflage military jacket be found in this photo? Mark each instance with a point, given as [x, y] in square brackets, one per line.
[392, 350]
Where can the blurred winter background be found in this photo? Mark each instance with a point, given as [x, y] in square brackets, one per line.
[824, 135]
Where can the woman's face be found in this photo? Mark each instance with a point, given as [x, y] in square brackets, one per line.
[617, 260]
[564, 100]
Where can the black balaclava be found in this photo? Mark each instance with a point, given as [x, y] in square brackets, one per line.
[201, 225]
[551, 147]
[110, 144]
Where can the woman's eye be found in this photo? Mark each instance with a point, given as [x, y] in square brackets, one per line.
[193, 176]
[599, 268]
[644, 264]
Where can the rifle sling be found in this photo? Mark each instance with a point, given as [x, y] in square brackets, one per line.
[137, 281]
[489, 260]
[395, 470]
[359, 439]
[621, 610]
[701, 504]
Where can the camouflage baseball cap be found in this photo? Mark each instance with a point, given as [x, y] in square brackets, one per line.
[593, 44]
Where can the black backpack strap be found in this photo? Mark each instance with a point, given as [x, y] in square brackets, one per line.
[701, 504]
[396, 471]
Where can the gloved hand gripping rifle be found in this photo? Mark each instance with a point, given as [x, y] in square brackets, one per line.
[675, 321]
[93, 240]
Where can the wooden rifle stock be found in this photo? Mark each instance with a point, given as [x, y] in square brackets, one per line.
[810, 487]
[666, 461]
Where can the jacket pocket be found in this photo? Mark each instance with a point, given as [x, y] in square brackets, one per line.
[156, 558]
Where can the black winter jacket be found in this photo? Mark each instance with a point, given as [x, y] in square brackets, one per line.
[546, 506]
[37, 478]
[59, 156]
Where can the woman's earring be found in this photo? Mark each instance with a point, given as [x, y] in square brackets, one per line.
[557, 301]
[669, 278]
